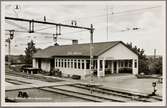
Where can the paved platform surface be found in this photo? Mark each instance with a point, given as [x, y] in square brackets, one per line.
[126, 82]
[130, 83]
[35, 83]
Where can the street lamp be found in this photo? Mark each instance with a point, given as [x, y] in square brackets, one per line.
[154, 90]
[11, 33]
[91, 57]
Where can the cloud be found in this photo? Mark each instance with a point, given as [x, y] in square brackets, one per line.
[150, 21]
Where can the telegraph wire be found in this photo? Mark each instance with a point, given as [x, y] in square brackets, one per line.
[114, 14]
[15, 24]
[45, 33]
[45, 28]
[107, 20]
[82, 18]
[119, 12]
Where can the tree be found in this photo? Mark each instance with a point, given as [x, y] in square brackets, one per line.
[155, 65]
[6, 58]
[30, 50]
[143, 61]
[158, 66]
[22, 58]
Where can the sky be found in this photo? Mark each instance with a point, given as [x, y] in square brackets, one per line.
[122, 18]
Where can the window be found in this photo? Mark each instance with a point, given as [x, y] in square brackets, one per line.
[78, 64]
[101, 64]
[68, 63]
[56, 62]
[106, 64]
[126, 63]
[83, 66]
[62, 62]
[130, 63]
[87, 64]
[71, 63]
[75, 64]
[122, 63]
[65, 63]
[119, 63]
[95, 64]
[135, 63]
[59, 63]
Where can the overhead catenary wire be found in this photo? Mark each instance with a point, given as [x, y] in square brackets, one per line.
[45, 28]
[51, 34]
[60, 38]
[129, 12]
[46, 33]
[114, 14]
[126, 12]
[120, 12]
[107, 20]
[17, 31]
[15, 24]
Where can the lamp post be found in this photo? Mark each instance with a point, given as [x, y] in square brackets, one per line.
[91, 57]
[11, 35]
[154, 90]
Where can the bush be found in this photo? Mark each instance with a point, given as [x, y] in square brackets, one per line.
[155, 67]
[94, 72]
[55, 72]
[25, 66]
[78, 77]
[125, 70]
[108, 71]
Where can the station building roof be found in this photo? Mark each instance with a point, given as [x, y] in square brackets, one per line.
[82, 50]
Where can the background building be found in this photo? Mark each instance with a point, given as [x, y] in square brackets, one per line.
[109, 57]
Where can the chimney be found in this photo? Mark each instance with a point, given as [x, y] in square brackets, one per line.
[74, 42]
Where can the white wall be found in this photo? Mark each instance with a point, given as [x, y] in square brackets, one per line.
[73, 71]
[120, 52]
[34, 63]
[45, 65]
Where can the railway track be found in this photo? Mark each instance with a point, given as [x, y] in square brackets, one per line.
[82, 95]
[16, 82]
[36, 77]
[98, 95]
[126, 94]
[95, 93]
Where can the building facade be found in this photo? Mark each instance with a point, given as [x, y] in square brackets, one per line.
[109, 58]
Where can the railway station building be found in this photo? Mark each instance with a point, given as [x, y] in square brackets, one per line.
[109, 58]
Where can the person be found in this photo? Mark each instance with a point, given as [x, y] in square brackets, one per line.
[25, 95]
[20, 94]
[51, 72]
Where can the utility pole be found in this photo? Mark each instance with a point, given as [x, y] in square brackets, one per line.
[9, 60]
[11, 35]
[154, 54]
[45, 22]
[107, 20]
[58, 32]
[91, 56]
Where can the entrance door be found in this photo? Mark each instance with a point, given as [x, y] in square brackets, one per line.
[52, 63]
[115, 67]
[39, 63]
